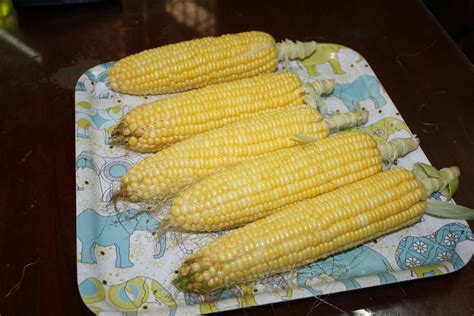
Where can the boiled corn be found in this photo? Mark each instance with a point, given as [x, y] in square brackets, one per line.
[306, 231]
[255, 188]
[168, 171]
[201, 62]
[150, 127]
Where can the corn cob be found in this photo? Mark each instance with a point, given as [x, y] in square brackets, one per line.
[201, 62]
[150, 127]
[306, 231]
[255, 188]
[168, 171]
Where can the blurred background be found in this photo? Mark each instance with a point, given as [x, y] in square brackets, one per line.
[457, 18]
[18, 31]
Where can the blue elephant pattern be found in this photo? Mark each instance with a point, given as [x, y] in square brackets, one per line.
[98, 110]
[439, 247]
[94, 229]
[97, 120]
[85, 161]
[162, 246]
[346, 267]
[363, 88]
[108, 170]
[128, 296]
[100, 77]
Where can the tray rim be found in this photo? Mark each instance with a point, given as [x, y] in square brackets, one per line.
[182, 308]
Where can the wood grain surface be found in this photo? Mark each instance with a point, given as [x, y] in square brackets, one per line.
[427, 77]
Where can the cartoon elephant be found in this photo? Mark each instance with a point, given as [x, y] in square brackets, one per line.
[85, 161]
[207, 303]
[139, 293]
[109, 170]
[346, 266]
[431, 270]
[414, 252]
[162, 295]
[92, 291]
[326, 53]
[363, 88]
[135, 294]
[383, 129]
[162, 246]
[94, 229]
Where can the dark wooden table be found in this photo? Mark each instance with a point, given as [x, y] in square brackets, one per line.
[424, 73]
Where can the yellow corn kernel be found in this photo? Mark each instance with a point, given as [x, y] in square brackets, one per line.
[184, 163]
[255, 188]
[194, 64]
[309, 230]
[150, 127]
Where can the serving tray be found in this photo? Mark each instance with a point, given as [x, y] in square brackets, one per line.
[123, 267]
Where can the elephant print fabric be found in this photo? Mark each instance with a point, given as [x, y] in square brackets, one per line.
[382, 130]
[347, 267]
[97, 122]
[125, 264]
[363, 88]
[114, 230]
[326, 53]
[136, 295]
[106, 170]
[426, 254]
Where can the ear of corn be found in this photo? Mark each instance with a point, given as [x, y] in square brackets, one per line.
[168, 171]
[306, 231]
[201, 62]
[150, 127]
[256, 188]
[195, 63]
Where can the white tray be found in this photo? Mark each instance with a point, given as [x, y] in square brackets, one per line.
[123, 268]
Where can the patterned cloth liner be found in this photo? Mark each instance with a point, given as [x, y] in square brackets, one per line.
[124, 269]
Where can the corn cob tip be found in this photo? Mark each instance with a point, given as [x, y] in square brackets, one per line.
[314, 90]
[399, 147]
[452, 171]
[124, 193]
[112, 85]
[183, 281]
[445, 181]
[341, 121]
[196, 275]
[335, 123]
[121, 136]
[117, 137]
[319, 87]
[118, 195]
[288, 50]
